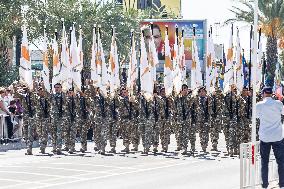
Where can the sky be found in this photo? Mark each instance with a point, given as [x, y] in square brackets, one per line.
[216, 11]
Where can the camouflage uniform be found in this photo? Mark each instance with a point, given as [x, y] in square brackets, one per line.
[84, 122]
[203, 111]
[29, 118]
[113, 120]
[157, 119]
[193, 126]
[166, 120]
[127, 113]
[43, 120]
[240, 111]
[135, 135]
[100, 115]
[147, 120]
[58, 115]
[216, 117]
[70, 129]
[183, 121]
[247, 119]
[230, 121]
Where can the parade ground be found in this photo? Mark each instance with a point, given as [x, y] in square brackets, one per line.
[120, 171]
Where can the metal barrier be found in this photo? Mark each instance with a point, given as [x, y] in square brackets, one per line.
[246, 166]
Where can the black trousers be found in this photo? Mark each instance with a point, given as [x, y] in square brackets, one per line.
[9, 126]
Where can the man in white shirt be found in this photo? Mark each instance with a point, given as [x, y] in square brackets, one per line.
[271, 130]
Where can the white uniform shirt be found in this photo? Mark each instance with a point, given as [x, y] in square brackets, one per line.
[269, 113]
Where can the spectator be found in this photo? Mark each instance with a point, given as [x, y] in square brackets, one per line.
[269, 112]
[124, 77]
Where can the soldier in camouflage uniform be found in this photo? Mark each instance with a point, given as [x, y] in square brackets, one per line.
[127, 113]
[166, 119]
[84, 119]
[100, 115]
[71, 121]
[230, 120]
[183, 118]
[147, 120]
[203, 117]
[247, 116]
[113, 120]
[240, 111]
[217, 98]
[135, 135]
[43, 118]
[157, 102]
[193, 116]
[58, 116]
[29, 126]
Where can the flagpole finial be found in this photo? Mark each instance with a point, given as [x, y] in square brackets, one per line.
[132, 30]
[44, 26]
[55, 30]
[62, 19]
[176, 26]
[95, 25]
[99, 26]
[80, 27]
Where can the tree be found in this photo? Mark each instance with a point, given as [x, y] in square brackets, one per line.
[271, 17]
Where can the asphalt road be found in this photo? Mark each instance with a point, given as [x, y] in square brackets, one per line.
[120, 171]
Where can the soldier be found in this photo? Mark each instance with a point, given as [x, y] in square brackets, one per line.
[193, 126]
[217, 98]
[203, 117]
[127, 111]
[166, 120]
[230, 120]
[183, 118]
[147, 120]
[157, 119]
[240, 111]
[71, 122]
[29, 100]
[58, 115]
[100, 115]
[247, 117]
[43, 118]
[113, 120]
[83, 120]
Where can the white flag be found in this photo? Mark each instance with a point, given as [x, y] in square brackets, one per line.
[25, 70]
[132, 71]
[168, 68]
[45, 70]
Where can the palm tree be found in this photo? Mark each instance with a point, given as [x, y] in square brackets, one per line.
[271, 17]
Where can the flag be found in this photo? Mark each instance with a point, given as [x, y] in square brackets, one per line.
[146, 76]
[75, 62]
[210, 65]
[196, 75]
[102, 67]
[45, 70]
[259, 64]
[94, 73]
[65, 71]
[153, 58]
[239, 65]
[132, 71]
[112, 65]
[182, 59]
[168, 67]
[229, 68]
[55, 62]
[176, 66]
[25, 70]
[99, 61]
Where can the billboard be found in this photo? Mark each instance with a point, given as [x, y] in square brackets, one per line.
[187, 25]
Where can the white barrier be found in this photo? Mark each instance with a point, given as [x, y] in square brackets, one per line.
[246, 166]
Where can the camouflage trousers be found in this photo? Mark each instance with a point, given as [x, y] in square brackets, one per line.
[204, 127]
[156, 133]
[31, 131]
[230, 132]
[70, 134]
[42, 131]
[215, 130]
[165, 132]
[25, 127]
[146, 131]
[135, 135]
[246, 131]
[100, 133]
[126, 131]
[192, 136]
[57, 132]
[182, 134]
[112, 132]
[83, 127]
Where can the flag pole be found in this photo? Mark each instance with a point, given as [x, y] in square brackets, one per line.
[253, 135]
